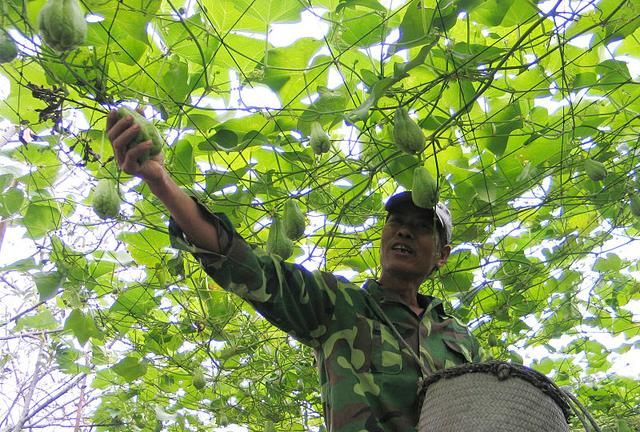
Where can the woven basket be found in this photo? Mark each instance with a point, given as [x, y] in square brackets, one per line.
[492, 397]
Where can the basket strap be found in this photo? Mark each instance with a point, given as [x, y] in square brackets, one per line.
[582, 413]
[378, 310]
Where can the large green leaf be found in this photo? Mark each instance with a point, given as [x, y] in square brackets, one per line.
[82, 326]
[48, 284]
[130, 368]
[41, 219]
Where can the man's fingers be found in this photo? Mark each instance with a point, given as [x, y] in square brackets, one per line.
[129, 162]
[112, 118]
[122, 132]
[122, 141]
[119, 127]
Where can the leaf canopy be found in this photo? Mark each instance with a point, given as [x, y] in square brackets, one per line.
[512, 96]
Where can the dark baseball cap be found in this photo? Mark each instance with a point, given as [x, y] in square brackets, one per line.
[402, 199]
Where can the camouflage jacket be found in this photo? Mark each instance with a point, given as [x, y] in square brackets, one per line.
[369, 380]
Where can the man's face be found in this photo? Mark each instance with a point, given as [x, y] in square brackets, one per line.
[409, 244]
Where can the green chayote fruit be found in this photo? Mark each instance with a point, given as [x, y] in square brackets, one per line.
[223, 420]
[106, 201]
[293, 220]
[407, 135]
[147, 132]
[493, 340]
[62, 24]
[8, 49]
[424, 189]
[634, 205]
[198, 380]
[277, 242]
[320, 142]
[595, 170]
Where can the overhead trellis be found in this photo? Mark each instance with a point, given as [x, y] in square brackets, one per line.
[512, 96]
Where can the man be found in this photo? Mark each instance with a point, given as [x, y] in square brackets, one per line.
[369, 377]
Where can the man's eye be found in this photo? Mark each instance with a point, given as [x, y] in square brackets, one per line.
[426, 226]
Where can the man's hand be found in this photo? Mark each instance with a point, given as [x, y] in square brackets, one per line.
[121, 132]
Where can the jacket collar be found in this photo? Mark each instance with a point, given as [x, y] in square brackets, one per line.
[382, 295]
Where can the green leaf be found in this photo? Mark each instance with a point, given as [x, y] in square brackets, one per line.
[457, 275]
[401, 169]
[135, 301]
[43, 320]
[11, 202]
[623, 18]
[129, 17]
[371, 4]
[457, 282]
[130, 368]
[5, 179]
[82, 326]
[486, 189]
[285, 69]
[218, 181]
[492, 12]
[20, 265]
[327, 108]
[249, 15]
[613, 73]
[532, 83]
[610, 263]
[66, 359]
[182, 163]
[145, 246]
[623, 426]
[40, 219]
[472, 55]
[494, 134]
[48, 284]
[361, 28]
[422, 24]
[190, 40]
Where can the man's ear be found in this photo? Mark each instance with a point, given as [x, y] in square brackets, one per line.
[444, 255]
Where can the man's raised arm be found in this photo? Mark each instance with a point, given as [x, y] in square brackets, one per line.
[181, 206]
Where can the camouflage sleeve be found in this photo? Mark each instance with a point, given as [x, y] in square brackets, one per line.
[292, 298]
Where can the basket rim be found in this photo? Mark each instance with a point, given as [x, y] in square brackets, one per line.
[503, 370]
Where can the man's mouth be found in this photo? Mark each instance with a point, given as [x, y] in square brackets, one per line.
[402, 249]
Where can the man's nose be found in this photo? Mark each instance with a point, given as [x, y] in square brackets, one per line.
[404, 231]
